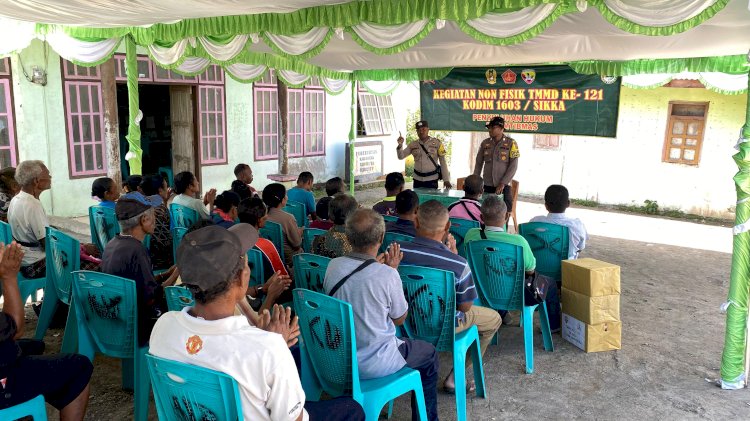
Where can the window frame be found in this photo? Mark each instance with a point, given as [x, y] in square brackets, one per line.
[223, 112]
[6, 78]
[671, 119]
[384, 114]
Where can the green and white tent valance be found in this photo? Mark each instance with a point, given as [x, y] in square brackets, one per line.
[718, 82]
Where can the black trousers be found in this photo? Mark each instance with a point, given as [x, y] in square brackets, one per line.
[507, 195]
[425, 184]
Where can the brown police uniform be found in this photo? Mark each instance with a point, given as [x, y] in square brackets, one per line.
[425, 172]
[500, 162]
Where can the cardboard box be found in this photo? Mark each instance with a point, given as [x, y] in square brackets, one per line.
[592, 338]
[591, 310]
[591, 277]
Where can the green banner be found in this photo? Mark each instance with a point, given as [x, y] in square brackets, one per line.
[543, 99]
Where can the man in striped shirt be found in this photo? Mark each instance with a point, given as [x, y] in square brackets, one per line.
[435, 247]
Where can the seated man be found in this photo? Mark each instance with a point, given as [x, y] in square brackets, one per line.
[394, 184]
[302, 193]
[556, 201]
[407, 204]
[186, 185]
[274, 196]
[379, 307]
[494, 215]
[156, 191]
[244, 173]
[127, 257]
[435, 247]
[214, 266]
[65, 383]
[333, 186]
[468, 206]
[335, 243]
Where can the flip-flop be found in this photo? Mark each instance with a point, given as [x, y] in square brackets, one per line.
[471, 387]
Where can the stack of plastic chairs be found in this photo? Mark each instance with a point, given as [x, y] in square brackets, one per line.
[431, 294]
[329, 361]
[28, 287]
[178, 297]
[273, 233]
[182, 216]
[188, 392]
[107, 316]
[459, 228]
[63, 257]
[310, 271]
[297, 210]
[549, 243]
[33, 408]
[103, 225]
[308, 236]
[498, 272]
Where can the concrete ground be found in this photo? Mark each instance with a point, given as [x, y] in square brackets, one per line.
[675, 276]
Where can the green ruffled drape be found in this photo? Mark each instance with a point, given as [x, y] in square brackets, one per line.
[135, 162]
[429, 26]
[634, 28]
[725, 64]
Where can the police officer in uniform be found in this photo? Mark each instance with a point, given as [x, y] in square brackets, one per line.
[498, 154]
[429, 158]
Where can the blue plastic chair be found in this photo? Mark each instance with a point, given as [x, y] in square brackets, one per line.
[257, 273]
[329, 357]
[107, 316]
[33, 408]
[459, 228]
[431, 294]
[63, 257]
[393, 237]
[390, 218]
[178, 297]
[310, 271]
[167, 172]
[28, 287]
[103, 225]
[177, 234]
[188, 392]
[182, 216]
[272, 232]
[549, 243]
[297, 210]
[499, 277]
[308, 236]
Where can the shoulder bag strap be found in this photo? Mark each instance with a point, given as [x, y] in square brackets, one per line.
[346, 278]
[428, 155]
[483, 234]
[471, 215]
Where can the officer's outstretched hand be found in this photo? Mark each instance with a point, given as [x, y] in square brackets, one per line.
[447, 184]
[400, 139]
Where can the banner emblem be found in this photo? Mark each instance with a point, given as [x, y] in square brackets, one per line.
[509, 77]
[491, 76]
[528, 75]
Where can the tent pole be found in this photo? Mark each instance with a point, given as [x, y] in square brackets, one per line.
[352, 137]
[734, 359]
[135, 153]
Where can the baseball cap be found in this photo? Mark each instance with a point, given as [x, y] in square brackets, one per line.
[421, 123]
[496, 121]
[127, 208]
[211, 255]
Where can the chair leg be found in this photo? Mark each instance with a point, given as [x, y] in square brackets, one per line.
[421, 405]
[546, 332]
[476, 363]
[49, 307]
[528, 337]
[459, 377]
[390, 408]
[70, 336]
[142, 386]
[128, 369]
[494, 340]
[310, 383]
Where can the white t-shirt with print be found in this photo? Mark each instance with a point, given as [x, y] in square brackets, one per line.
[260, 361]
[192, 203]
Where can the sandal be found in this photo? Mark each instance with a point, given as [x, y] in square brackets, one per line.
[471, 387]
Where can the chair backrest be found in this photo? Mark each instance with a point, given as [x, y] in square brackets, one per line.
[272, 232]
[308, 236]
[391, 237]
[297, 210]
[390, 218]
[188, 392]
[549, 243]
[167, 172]
[63, 257]
[182, 216]
[177, 234]
[257, 273]
[103, 225]
[33, 408]
[178, 297]
[459, 228]
[107, 306]
[310, 271]
[498, 273]
[6, 235]
[327, 329]
[431, 294]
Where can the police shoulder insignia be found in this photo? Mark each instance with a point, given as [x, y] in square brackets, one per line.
[194, 345]
[514, 152]
[441, 150]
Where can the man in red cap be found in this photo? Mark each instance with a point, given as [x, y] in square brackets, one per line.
[498, 154]
[427, 152]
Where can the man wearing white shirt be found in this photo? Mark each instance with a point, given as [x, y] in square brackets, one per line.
[556, 200]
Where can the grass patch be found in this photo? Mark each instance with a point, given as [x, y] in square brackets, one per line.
[585, 202]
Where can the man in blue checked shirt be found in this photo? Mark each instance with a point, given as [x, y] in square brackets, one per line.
[435, 247]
